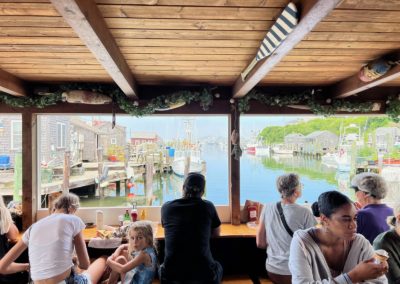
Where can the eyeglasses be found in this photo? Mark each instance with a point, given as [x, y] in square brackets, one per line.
[356, 189]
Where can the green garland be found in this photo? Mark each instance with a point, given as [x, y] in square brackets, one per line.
[308, 98]
[393, 108]
[47, 97]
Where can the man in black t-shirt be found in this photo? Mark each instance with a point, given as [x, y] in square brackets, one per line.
[189, 223]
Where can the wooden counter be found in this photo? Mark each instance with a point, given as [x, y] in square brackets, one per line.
[227, 231]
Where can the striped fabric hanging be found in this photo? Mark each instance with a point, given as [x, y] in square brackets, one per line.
[283, 26]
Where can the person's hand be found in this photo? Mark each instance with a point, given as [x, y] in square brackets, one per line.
[367, 270]
[358, 205]
[109, 259]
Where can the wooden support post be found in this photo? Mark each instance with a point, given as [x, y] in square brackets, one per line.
[65, 187]
[99, 169]
[234, 170]
[187, 166]
[149, 177]
[118, 188]
[29, 159]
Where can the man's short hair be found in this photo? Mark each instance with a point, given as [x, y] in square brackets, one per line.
[194, 185]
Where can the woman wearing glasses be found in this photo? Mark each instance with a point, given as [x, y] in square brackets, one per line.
[272, 233]
[52, 242]
[370, 189]
[334, 252]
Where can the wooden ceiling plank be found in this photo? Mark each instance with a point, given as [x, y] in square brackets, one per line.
[214, 3]
[354, 85]
[11, 85]
[86, 20]
[310, 18]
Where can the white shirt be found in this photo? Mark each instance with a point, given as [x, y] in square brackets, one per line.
[51, 246]
[278, 239]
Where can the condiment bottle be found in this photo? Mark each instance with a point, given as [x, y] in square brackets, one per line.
[127, 217]
[134, 213]
[143, 214]
[252, 210]
[99, 219]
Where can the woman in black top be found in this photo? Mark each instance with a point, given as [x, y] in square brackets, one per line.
[8, 235]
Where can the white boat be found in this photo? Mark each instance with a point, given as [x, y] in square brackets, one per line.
[262, 150]
[187, 161]
[280, 150]
[340, 160]
[347, 142]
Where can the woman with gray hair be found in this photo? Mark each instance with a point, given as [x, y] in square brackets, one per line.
[370, 189]
[390, 241]
[278, 221]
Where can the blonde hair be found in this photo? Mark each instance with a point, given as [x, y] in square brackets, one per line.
[5, 218]
[143, 227]
[67, 201]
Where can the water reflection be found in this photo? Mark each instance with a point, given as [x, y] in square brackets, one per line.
[258, 177]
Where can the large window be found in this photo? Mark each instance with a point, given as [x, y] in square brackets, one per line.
[141, 160]
[11, 159]
[325, 152]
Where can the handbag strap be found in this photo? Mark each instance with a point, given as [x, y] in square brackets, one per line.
[280, 210]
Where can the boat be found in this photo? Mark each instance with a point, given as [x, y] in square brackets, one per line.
[187, 161]
[281, 150]
[389, 162]
[251, 149]
[348, 141]
[262, 150]
[187, 158]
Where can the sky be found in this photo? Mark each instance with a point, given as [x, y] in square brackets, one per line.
[172, 127]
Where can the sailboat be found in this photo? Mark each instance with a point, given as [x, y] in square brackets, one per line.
[187, 158]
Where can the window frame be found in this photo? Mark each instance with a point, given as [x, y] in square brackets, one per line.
[12, 142]
[61, 135]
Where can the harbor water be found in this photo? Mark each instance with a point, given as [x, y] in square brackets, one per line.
[258, 180]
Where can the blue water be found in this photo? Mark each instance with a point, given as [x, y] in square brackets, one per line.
[257, 182]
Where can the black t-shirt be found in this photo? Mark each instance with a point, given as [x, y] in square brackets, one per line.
[16, 278]
[188, 224]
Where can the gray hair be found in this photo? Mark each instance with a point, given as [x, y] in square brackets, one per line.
[372, 184]
[287, 184]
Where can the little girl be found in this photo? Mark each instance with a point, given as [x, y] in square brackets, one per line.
[135, 262]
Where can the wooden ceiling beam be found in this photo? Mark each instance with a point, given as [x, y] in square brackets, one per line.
[11, 85]
[312, 13]
[86, 20]
[354, 85]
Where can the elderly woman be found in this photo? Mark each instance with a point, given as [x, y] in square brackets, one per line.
[334, 252]
[370, 189]
[390, 241]
[272, 233]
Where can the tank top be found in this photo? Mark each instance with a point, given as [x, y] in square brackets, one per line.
[142, 274]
